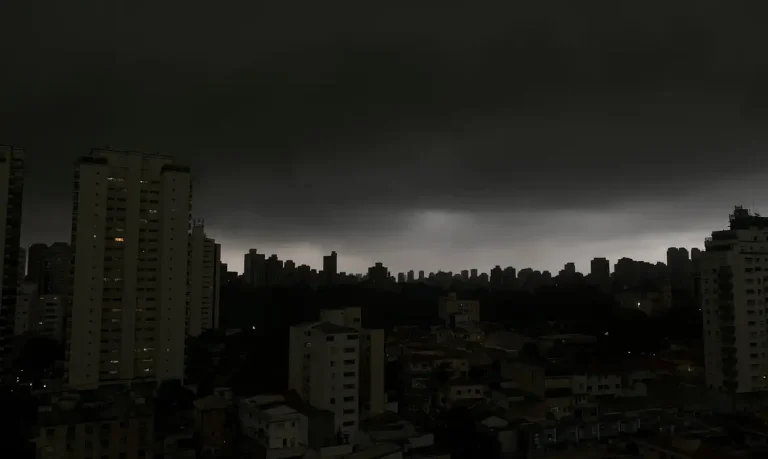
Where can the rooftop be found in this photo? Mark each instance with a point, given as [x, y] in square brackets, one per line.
[211, 402]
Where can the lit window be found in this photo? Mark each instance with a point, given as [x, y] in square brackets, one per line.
[119, 239]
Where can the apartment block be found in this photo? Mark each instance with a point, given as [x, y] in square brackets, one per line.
[453, 311]
[324, 361]
[204, 281]
[11, 195]
[372, 358]
[130, 237]
[734, 273]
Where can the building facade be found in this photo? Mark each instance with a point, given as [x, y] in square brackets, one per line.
[372, 357]
[734, 269]
[453, 311]
[204, 281]
[131, 215]
[323, 369]
[11, 195]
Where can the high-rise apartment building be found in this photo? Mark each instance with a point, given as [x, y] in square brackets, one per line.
[734, 272]
[254, 268]
[330, 268]
[323, 369]
[130, 234]
[372, 357]
[11, 195]
[36, 264]
[204, 281]
[50, 267]
[679, 269]
[600, 269]
[58, 269]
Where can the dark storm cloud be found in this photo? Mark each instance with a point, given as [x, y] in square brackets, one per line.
[342, 125]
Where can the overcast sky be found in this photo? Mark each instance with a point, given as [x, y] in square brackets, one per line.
[430, 137]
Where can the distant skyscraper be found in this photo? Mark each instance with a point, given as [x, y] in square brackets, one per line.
[473, 274]
[50, 267]
[679, 268]
[401, 278]
[330, 268]
[378, 274]
[130, 236]
[733, 267]
[204, 281]
[510, 277]
[411, 276]
[58, 269]
[421, 275]
[497, 276]
[254, 269]
[273, 271]
[36, 264]
[11, 195]
[600, 270]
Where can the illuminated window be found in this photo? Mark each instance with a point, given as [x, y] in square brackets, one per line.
[119, 239]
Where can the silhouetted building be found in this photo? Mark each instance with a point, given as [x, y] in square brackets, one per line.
[255, 269]
[273, 271]
[497, 277]
[330, 268]
[401, 278]
[11, 196]
[227, 277]
[58, 269]
[36, 256]
[509, 277]
[378, 274]
[600, 269]
[411, 276]
[421, 275]
[679, 268]
[204, 281]
[130, 236]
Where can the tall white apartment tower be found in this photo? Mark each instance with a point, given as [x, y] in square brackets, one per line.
[204, 281]
[11, 194]
[130, 234]
[373, 358]
[323, 369]
[734, 287]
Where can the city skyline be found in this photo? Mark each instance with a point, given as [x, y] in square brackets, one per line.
[511, 134]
